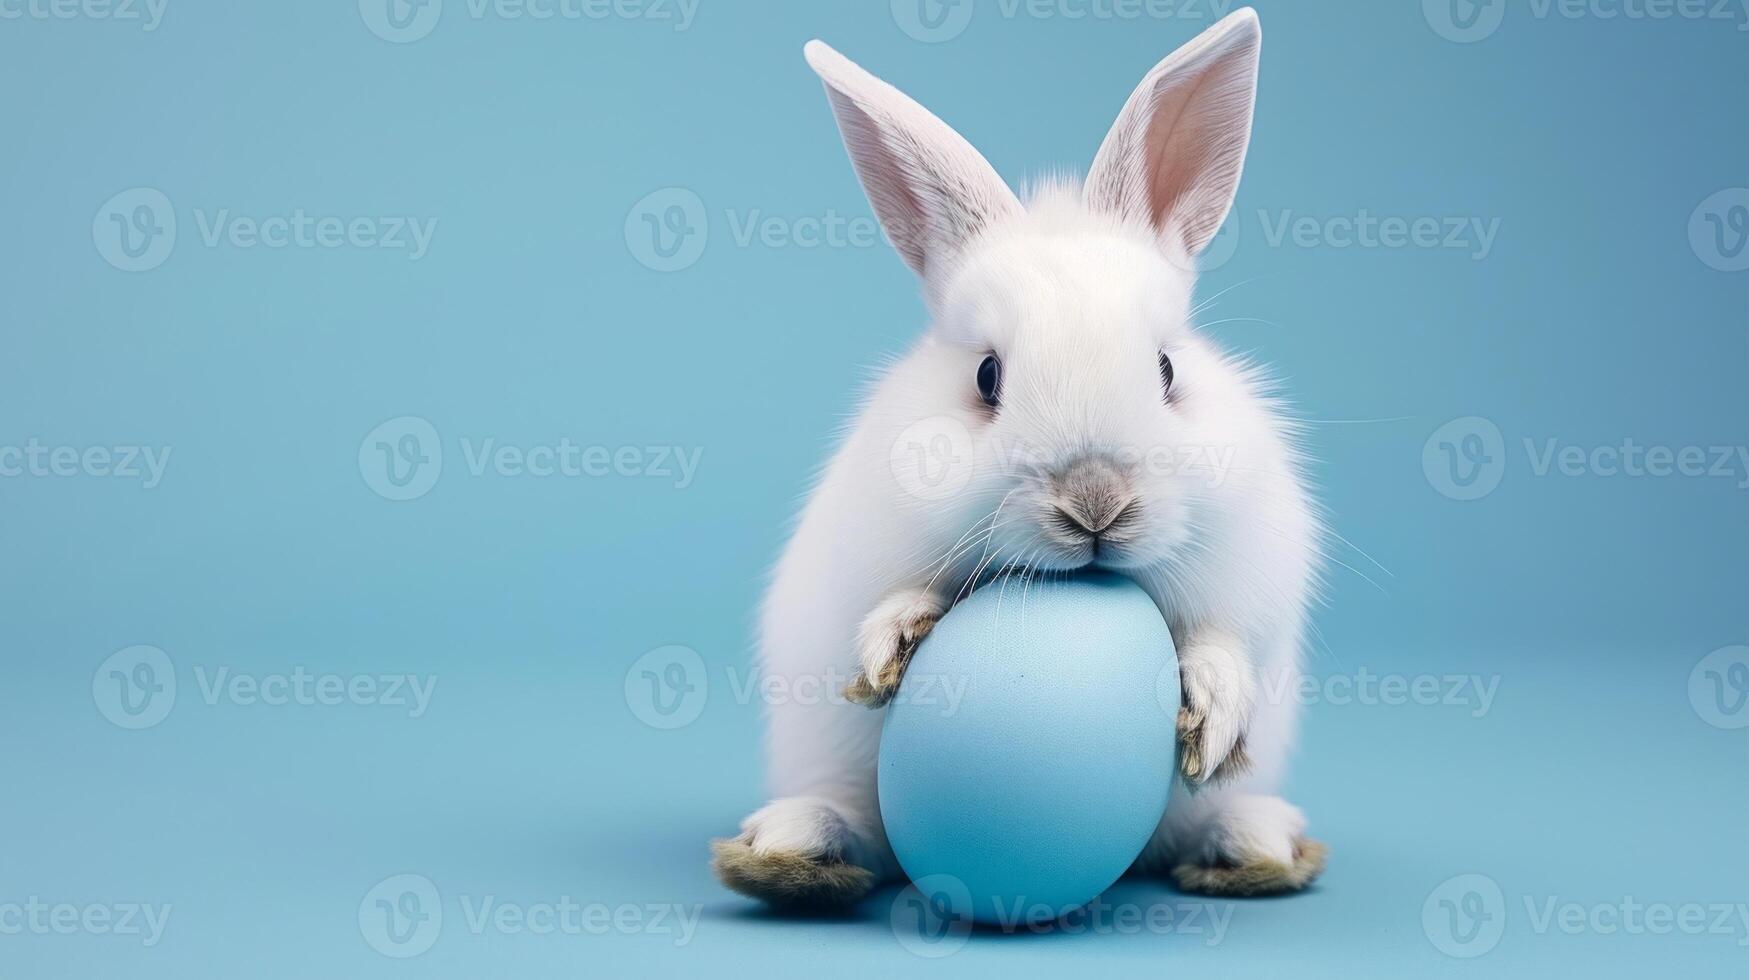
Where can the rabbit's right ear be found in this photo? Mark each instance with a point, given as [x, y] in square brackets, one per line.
[1173, 157]
[930, 189]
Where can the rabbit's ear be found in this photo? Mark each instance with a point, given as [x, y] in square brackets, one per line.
[930, 189]
[1174, 155]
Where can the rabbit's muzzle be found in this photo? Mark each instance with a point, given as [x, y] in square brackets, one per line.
[1092, 502]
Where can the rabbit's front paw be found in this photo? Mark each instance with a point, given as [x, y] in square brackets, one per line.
[1250, 845]
[886, 641]
[1218, 696]
[794, 853]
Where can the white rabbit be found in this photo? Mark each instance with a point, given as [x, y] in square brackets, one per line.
[1060, 411]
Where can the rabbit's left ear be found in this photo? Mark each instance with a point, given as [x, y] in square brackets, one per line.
[931, 190]
[1174, 155]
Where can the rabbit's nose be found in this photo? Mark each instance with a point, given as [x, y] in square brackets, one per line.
[1093, 525]
[1093, 494]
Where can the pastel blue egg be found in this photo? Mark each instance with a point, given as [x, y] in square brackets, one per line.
[1027, 756]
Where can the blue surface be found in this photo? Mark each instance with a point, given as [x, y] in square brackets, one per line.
[1606, 765]
[1027, 756]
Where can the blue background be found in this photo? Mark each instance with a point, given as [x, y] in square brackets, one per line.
[1593, 776]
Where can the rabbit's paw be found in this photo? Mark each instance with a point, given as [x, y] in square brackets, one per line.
[886, 641]
[793, 853]
[1219, 693]
[1256, 846]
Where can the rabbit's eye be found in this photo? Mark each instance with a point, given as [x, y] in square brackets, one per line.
[990, 380]
[1166, 374]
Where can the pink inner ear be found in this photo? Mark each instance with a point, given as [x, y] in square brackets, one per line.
[1174, 155]
[883, 179]
[1195, 150]
[929, 187]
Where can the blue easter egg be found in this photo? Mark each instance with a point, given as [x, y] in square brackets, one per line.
[1027, 756]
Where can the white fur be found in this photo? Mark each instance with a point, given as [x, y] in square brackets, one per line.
[1077, 292]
